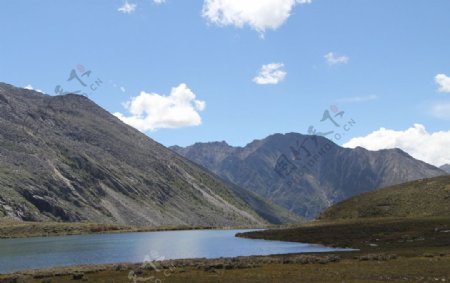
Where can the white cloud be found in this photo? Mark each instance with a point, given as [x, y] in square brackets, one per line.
[433, 148]
[30, 87]
[127, 8]
[122, 89]
[441, 110]
[258, 14]
[200, 105]
[270, 74]
[151, 111]
[357, 99]
[443, 81]
[159, 1]
[333, 59]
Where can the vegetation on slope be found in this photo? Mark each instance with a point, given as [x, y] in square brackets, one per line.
[422, 198]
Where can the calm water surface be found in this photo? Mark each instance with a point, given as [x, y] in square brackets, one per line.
[29, 253]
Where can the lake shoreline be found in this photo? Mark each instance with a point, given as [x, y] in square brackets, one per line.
[390, 250]
[366, 234]
[47, 252]
[18, 229]
[362, 266]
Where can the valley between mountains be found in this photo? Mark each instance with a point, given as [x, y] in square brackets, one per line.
[64, 158]
[306, 190]
[69, 167]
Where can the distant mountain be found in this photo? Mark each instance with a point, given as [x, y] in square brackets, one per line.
[65, 158]
[426, 197]
[306, 174]
[446, 168]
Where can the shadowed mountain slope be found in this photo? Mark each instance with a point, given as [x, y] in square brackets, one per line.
[65, 158]
[446, 168]
[306, 174]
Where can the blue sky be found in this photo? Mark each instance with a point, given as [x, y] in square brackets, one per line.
[385, 57]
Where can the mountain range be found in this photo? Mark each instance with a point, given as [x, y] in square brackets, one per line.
[306, 174]
[64, 158]
[446, 168]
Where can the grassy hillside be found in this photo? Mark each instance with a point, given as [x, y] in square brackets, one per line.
[422, 198]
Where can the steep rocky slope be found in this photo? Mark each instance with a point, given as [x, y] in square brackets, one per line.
[65, 158]
[446, 168]
[306, 174]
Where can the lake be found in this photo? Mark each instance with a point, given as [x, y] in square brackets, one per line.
[45, 252]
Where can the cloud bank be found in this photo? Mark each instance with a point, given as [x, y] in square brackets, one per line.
[433, 148]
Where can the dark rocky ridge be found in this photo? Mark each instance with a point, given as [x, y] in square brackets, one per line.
[330, 174]
[446, 168]
[65, 158]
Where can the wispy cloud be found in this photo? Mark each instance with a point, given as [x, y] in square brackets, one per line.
[271, 74]
[333, 59]
[260, 15]
[441, 110]
[443, 81]
[158, 2]
[127, 8]
[30, 87]
[357, 99]
[151, 111]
